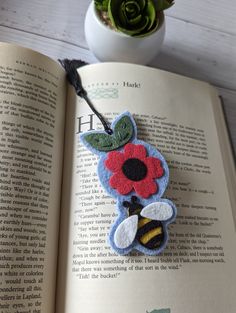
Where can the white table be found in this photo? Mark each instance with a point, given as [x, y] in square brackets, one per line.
[200, 40]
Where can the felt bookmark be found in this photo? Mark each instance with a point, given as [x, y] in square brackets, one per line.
[135, 174]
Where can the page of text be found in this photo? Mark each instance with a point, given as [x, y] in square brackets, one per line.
[175, 115]
[32, 104]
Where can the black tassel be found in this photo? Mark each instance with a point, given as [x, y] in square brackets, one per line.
[74, 79]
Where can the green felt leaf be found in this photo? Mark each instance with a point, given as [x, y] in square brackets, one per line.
[123, 130]
[101, 142]
[122, 133]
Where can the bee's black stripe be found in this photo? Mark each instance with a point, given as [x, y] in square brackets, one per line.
[147, 227]
[155, 242]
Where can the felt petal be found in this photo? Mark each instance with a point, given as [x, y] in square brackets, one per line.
[121, 183]
[134, 151]
[145, 188]
[129, 150]
[155, 169]
[126, 231]
[114, 161]
[139, 152]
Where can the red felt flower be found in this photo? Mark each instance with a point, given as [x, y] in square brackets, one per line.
[134, 170]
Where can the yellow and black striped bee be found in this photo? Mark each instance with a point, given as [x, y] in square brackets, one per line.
[143, 224]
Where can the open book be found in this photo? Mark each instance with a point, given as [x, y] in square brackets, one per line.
[55, 216]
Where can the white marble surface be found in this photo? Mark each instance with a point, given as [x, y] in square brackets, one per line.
[200, 40]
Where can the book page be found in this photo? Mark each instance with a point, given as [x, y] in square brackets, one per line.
[32, 105]
[196, 272]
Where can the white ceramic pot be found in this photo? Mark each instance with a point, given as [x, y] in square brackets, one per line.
[110, 45]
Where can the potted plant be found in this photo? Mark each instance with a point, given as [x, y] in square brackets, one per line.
[126, 30]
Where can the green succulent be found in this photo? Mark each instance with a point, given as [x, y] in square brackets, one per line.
[101, 5]
[162, 5]
[133, 17]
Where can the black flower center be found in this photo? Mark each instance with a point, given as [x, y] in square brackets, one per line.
[134, 169]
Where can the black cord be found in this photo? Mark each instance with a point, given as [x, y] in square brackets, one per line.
[74, 79]
[99, 115]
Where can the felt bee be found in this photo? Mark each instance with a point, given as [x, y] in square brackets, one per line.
[144, 224]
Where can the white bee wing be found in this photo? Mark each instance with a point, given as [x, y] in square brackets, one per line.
[126, 231]
[160, 211]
